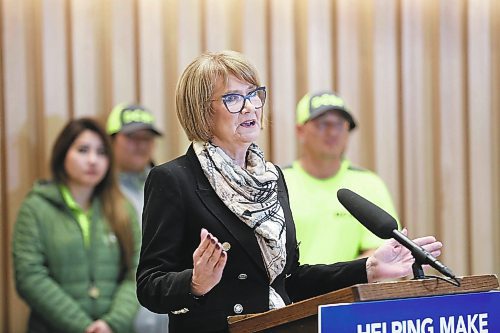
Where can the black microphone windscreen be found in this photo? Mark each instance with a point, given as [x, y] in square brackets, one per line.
[374, 218]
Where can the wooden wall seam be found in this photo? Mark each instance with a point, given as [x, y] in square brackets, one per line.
[269, 62]
[38, 86]
[137, 43]
[4, 225]
[69, 57]
[402, 209]
[465, 116]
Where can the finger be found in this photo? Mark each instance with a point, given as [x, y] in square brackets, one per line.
[208, 252]
[404, 231]
[433, 246]
[203, 234]
[211, 244]
[394, 244]
[222, 261]
[436, 253]
[215, 254]
[425, 240]
[205, 240]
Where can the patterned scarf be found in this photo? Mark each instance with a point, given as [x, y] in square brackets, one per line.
[251, 194]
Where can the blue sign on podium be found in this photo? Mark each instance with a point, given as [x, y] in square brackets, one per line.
[461, 313]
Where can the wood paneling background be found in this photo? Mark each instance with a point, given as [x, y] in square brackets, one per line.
[421, 76]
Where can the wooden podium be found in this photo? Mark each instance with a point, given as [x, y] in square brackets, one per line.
[303, 316]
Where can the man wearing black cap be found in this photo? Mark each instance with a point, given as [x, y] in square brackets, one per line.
[133, 133]
[326, 231]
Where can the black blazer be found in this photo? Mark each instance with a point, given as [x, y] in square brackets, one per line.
[179, 201]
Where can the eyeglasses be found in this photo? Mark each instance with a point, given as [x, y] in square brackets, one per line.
[236, 102]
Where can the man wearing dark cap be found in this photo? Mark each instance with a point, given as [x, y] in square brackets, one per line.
[133, 132]
[326, 231]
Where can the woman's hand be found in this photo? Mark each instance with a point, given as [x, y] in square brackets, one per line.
[99, 326]
[209, 261]
[392, 260]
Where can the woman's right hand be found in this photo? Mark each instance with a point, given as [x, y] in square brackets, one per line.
[209, 261]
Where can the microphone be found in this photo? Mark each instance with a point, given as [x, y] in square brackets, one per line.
[383, 225]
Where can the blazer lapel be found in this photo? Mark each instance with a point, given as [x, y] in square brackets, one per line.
[291, 243]
[239, 230]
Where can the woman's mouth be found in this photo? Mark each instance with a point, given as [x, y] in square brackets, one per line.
[248, 123]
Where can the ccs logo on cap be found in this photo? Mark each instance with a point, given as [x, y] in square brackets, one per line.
[136, 116]
[326, 100]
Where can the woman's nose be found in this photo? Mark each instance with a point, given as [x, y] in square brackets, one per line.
[247, 107]
[92, 157]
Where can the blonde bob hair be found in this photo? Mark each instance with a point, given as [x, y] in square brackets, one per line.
[196, 86]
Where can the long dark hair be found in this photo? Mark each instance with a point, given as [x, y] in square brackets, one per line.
[113, 202]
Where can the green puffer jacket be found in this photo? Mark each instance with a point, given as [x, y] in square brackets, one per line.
[66, 285]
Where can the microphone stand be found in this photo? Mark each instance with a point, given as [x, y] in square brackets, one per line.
[422, 257]
[418, 271]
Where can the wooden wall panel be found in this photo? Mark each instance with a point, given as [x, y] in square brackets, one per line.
[239, 12]
[495, 126]
[452, 205]
[421, 77]
[4, 233]
[217, 29]
[177, 141]
[319, 45]
[124, 52]
[191, 27]
[191, 30]
[364, 142]
[301, 43]
[480, 137]
[348, 67]
[386, 97]
[152, 55]
[20, 127]
[55, 81]
[254, 44]
[282, 83]
[4, 227]
[87, 97]
[417, 136]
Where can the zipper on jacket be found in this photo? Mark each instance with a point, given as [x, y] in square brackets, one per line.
[93, 291]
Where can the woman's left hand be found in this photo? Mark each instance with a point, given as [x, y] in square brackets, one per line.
[392, 260]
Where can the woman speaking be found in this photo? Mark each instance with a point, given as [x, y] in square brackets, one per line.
[218, 233]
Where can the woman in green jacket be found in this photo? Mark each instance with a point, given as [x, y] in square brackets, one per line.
[76, 243]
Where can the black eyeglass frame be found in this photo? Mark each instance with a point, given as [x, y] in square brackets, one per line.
[245, 98]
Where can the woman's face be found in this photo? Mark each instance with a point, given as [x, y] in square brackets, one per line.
[87, 161]
[234, 131]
